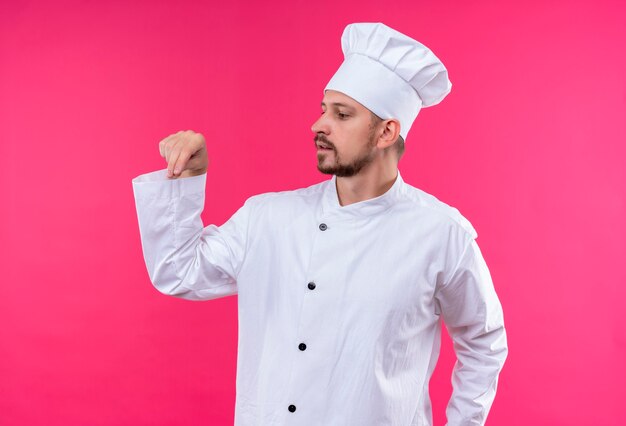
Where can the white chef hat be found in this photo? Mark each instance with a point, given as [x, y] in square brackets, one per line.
[389, 73]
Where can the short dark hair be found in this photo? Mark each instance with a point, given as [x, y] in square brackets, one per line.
[398, 145]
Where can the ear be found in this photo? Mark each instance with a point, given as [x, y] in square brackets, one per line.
[391, 131]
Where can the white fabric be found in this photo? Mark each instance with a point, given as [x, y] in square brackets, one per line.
[386, 270]
[389, 73]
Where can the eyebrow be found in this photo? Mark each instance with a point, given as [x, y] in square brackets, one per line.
[339, 104]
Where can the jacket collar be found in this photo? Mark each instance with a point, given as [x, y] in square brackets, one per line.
[365, 208]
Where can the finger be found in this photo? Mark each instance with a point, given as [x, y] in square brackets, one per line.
[169, 147]
[173, 157]
[167, 143]
[183, 161]
[162, 145]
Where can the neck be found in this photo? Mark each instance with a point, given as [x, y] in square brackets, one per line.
[372, 181]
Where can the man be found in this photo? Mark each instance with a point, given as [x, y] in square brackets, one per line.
[341, 286]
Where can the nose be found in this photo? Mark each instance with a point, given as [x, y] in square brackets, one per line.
[320, 125]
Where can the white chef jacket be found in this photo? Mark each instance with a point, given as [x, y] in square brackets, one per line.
[339, 307]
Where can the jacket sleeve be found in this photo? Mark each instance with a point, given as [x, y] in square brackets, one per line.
[184, 258]
[474, 319]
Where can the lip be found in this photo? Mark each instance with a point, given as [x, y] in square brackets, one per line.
[321, 147]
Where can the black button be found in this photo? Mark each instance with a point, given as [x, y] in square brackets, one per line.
[323, 227]
[302, 346]
[311, 285]
[292, 408]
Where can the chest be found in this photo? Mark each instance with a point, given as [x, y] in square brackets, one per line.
[384, 264]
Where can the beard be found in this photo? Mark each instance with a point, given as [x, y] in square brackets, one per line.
[345, 168]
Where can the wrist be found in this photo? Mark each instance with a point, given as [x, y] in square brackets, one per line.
[190, 173]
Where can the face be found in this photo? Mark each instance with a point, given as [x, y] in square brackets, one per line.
[344, 136]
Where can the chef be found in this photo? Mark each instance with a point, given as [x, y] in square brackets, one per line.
[343, 285]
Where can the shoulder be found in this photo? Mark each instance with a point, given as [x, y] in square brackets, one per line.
[419, 199]
[291, 197]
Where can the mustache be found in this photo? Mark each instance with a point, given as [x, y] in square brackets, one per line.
[322, 138]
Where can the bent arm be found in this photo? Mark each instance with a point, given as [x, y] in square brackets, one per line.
[474, 319]
[184, 258]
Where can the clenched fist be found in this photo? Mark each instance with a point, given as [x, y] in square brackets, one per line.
[185, 153]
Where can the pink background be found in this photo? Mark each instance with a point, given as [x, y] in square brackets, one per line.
[529, 146]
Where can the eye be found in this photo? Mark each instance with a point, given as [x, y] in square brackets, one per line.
[342, 116]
